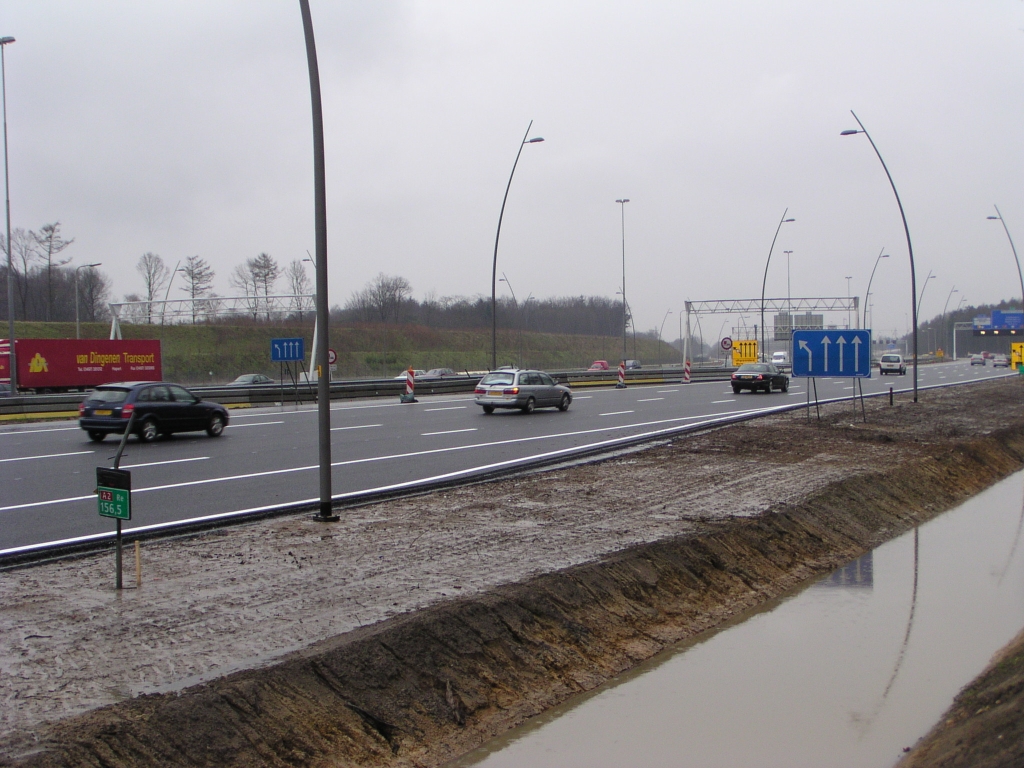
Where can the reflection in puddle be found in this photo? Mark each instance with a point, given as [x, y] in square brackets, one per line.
[845, 673]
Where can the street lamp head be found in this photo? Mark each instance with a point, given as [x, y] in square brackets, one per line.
[993, 218]
[785, 221]
[850, 132]
[6, 40]
[535, 140]
[623, 200]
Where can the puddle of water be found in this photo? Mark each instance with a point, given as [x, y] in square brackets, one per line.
[846, 671]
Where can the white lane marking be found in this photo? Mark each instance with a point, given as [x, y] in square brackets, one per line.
[716, 402]
[447, 432]
[161, 463]
[793, 394]
[361, 426]
[47, 456]
[650, 399]
[614, 413]
[666, 391]
[380, 489]
[847, 387]
[449, 408]
[413, 454]
[583, 397]
[37, 431]
[254, 424]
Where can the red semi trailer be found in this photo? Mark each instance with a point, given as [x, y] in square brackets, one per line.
[62, 365]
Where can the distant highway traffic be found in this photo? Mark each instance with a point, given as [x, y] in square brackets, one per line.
[267, 457]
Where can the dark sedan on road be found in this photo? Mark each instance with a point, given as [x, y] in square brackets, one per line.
[759, 377]
[160, 408]
[251, 379]
[524, 390]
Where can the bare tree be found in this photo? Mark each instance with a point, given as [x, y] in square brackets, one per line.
[265, 272]
[155, 275]
[94, 295]
[299, 285]
[386, 294]
[22, 258]
[244, 280]
[198, 280]
[49, 244]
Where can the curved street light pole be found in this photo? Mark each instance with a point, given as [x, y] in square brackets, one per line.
[944, 307]
[923, 287]
[867, 295]
[497, 236]
[516, 303]
[323, 379]
[906, 229]
[622, 206]
[660, 331]
[782, 221]
[1007, 231]
[12, 364]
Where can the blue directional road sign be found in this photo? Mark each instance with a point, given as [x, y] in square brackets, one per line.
[839, 353]
[287, 350]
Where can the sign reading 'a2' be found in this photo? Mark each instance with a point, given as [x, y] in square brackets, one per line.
[838, 353]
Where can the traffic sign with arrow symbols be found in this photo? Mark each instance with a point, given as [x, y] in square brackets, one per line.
[839, 353]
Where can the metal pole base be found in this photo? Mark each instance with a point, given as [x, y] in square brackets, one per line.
[326, 514]
[407, 399]
[620, 386]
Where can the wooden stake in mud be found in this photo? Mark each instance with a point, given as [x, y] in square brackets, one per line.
[138, 564]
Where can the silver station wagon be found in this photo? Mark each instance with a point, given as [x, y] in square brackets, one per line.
[524, 390]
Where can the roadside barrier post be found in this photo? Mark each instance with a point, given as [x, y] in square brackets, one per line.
[890, 397]
[410, 387]
[622, 375]
[686, 372]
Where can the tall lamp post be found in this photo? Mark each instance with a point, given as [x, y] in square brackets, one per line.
[768, 261]
[11, 362]
[660, 331]
[506, 282]
[789, 293]
[622, 206]
[848, 279]
[867, 295]
[923, 287]
[497, 236]
[944, 306]
[906, 229]
[323, 382]
[78, 330]
[998, 216]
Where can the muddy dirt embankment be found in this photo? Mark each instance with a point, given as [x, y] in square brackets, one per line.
[421, 688]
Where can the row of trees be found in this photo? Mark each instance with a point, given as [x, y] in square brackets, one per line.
[388, 299]
[44, 283]
[256, 279]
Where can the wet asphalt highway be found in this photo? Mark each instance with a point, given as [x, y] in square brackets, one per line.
[268, 456]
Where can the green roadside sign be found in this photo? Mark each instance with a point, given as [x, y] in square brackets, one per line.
[114, 492]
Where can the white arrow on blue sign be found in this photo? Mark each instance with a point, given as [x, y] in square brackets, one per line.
[287, 350]
[839, 353]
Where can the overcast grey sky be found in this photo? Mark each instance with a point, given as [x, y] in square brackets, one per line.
[184, 128]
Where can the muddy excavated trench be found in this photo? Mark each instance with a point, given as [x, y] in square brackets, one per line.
[419, 628]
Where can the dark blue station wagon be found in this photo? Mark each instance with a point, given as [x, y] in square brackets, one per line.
[160, 408]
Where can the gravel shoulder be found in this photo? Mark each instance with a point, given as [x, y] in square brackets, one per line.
[75, 653]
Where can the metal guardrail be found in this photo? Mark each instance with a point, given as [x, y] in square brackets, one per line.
[268, 394]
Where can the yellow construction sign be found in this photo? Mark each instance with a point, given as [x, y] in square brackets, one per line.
[1017, 354]
[744, 351]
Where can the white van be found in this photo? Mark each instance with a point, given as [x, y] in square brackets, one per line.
[780, 359]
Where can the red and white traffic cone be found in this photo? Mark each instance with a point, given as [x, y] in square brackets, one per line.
[410, 387]
[622, 375]
[686, 372]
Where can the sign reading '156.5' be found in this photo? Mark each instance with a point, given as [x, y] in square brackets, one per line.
[838, 353]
